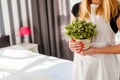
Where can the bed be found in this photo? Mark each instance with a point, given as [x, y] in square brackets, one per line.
[17, 63]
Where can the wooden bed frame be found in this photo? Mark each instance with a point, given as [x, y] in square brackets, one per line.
[4, 41]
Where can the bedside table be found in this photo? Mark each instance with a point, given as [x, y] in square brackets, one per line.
[30, 46]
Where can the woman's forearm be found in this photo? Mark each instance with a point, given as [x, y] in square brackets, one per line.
[107, 50]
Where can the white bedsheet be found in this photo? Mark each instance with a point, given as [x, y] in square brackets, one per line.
[26, 65]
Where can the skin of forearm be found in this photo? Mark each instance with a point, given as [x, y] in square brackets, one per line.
[107, 50]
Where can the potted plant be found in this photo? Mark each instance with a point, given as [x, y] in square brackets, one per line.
[81, 30]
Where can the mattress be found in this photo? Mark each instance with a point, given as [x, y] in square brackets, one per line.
[16, 63]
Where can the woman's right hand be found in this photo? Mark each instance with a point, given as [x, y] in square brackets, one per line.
[75, 46]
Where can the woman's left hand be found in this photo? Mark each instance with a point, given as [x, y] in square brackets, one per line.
[89, 51]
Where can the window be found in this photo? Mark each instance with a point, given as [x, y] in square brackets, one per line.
[74, 1]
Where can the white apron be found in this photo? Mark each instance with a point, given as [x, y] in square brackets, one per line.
[98, 66]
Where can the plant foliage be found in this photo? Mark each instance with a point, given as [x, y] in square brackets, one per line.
[80, 29]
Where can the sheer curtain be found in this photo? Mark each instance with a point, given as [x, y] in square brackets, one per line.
[49, 20]
[64, 17]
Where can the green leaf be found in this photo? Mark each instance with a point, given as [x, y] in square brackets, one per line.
[81, 29]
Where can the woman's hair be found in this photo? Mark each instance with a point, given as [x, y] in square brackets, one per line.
[108, 9]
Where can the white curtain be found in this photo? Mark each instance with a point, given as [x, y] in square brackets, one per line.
[64, 17]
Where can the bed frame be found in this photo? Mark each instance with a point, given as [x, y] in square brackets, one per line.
[4, 41]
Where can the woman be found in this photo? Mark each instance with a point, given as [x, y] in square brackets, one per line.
[100, 62]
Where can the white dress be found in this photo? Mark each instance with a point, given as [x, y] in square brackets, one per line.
[98, 66]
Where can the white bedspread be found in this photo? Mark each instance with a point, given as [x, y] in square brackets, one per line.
[26, 65]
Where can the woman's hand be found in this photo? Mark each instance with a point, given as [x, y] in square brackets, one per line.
[75, 46]
[89, 51]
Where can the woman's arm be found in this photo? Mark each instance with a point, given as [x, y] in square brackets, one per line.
[106, 50]
[72, 17]
[118, 23]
